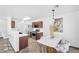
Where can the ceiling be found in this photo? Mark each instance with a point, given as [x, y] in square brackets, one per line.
[34, 11]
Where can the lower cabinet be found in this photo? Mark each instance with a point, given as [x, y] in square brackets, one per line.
[23, 42]
[30, 34]
[39, 35]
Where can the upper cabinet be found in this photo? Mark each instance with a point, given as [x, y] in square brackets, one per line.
[12, 24]
[37, 24]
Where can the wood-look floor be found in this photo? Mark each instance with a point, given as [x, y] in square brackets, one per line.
[33, 47]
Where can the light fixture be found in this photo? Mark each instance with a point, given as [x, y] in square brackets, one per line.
[26, 18]
[53, 10]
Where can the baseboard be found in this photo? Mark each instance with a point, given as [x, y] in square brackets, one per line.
[74, 47]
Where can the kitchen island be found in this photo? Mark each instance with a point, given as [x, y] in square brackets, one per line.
[18, 41]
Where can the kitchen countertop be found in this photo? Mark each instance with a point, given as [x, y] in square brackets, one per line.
[51, 42]
[20, 35]
[39, 31]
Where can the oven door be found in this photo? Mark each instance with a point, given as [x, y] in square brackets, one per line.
[33, 35]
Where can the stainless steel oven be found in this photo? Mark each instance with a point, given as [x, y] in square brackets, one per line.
[33, 34]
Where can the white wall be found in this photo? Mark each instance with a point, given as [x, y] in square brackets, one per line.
[22, 26]
[3, 26]
[71, 27]
[46, 23]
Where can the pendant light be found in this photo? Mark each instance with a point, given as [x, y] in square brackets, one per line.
[53, 12]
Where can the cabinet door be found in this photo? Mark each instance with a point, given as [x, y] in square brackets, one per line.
[38, 24]
[12, 24]
[23, 42]
[30, 34]
[38, 35]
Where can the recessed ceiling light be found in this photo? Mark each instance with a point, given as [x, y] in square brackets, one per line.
[26, 18]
